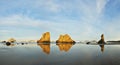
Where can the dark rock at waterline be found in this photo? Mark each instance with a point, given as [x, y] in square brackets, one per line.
[101, 41]
[22, 43]
[3, 41]
[8, 43]
[88, 43]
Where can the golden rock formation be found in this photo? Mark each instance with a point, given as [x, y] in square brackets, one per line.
[11, 40]
[45, 38]
[45, 47]
[65, 39]
[101, 41]
[65, 47]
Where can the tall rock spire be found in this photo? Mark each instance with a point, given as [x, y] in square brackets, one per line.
[45, 38]
[101, 41]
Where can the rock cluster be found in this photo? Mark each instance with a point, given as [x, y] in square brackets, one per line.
[45, 38]
[65, 39]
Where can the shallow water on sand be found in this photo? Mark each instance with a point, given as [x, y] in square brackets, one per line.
[59, 54]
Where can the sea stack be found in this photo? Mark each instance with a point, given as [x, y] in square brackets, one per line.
[45, 38]
[101, 41]
[65, 39]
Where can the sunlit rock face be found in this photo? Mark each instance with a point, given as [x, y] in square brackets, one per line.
[65, 47]
[101, 41]
[45, 38]
[45, 47]
[65, 39]
[11, 40]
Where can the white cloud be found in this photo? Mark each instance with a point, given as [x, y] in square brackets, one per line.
[5, 31]
[20, 20]
[101, 5]
[56, 28]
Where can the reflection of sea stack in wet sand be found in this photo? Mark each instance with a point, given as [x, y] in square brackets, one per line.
[65, 39]
[102, 48]
[65, 47]
[45, 48]
[101, 41]
[45, 38]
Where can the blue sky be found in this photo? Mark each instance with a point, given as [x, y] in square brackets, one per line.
[81, 19]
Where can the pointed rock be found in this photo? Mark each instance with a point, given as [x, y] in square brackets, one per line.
[45, 38]
[101, 41]
[65, 39]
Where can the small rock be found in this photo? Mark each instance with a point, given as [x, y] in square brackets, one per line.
[8, 43]
[88, 43]
[22, 43]
[3, 41]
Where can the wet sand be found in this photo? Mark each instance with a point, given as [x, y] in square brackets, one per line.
[62, 54]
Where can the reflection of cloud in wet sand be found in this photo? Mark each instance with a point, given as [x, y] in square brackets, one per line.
[45, 47]
[65, 46]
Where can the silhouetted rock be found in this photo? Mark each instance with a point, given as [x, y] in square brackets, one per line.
[45, 38]
[45, 47]
[65, 39]
[11, 40]
[3, 41]
[8, 43]
[22, 43]
[101, 41]
[65, 47]
[88, 43]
